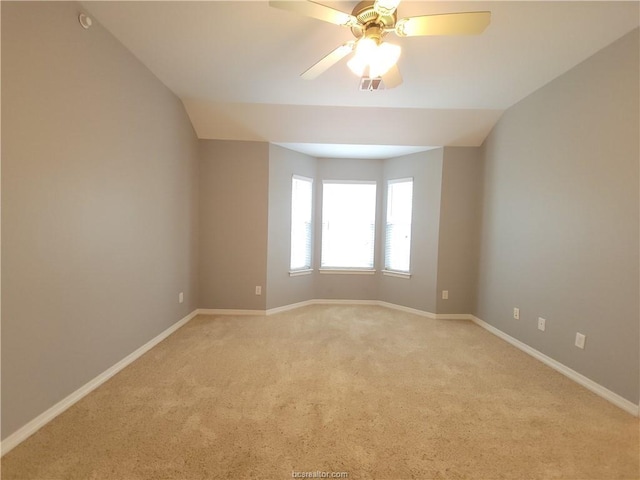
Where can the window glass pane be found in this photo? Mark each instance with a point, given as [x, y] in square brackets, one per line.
[301, 212]
[348, 225]
[397, 255]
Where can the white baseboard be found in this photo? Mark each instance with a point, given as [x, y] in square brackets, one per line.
[293, 306]
[225, 311]
[596, 388]
[333, 301]
[393, 306]
[341, 301]
[452, 316]
[402, 308]
[34, 425]
[589, 384]
[41, 420]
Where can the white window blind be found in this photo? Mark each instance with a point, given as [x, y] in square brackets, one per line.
[301, 216]
[397, 251]
[348, 224]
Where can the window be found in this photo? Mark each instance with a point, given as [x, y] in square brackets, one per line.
[348, 225]
[301, 216]
[397, 248]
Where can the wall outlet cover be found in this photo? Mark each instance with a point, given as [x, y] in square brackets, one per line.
[541, 323]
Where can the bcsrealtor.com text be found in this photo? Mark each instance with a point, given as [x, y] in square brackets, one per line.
[319, 474]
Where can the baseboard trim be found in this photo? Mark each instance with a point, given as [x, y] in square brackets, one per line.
[402, 308]
[589, 384]
[586, 382]
[335, 301]
[41, 420]
[453, 316]
[225, 311]
[341, 301]
[378, 303]
[292, 306]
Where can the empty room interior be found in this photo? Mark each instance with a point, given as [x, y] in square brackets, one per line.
[373, 239]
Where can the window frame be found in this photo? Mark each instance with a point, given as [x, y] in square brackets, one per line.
[342, 270]
[305, 269]
[387, 270]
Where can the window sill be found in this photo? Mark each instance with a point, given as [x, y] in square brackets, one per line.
[348, 271]
[391, 273]
[297, 273]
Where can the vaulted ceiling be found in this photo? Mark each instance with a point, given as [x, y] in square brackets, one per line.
[236, 67]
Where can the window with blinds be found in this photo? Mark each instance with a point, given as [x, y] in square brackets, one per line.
[397, 249]
[348, 225]
[301, 223]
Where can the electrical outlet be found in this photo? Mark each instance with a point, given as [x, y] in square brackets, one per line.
[541, 323]
[580, 339]
[181, 297]
[445, 294]
[258, 290]
[516, 313]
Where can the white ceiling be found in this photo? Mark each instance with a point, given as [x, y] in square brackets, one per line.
[236, 67]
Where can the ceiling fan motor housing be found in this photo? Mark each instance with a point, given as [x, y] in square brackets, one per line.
[371, 24]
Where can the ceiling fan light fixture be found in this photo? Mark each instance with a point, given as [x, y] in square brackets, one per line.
[378, 58]
[401, 27]
[370, 21]
[357, 66]
[385, 7]
[386, 57]
[366, 51]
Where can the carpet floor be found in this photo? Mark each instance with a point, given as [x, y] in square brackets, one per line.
[368, 391]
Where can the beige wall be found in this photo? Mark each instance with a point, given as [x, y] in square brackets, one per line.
[284, 289]
[99, 206]
[234, 184]
[458, 248]
[561, 219]
[419, 291]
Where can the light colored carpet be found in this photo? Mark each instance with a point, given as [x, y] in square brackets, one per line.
[365, 390]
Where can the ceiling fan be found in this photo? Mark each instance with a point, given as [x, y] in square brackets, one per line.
[370, 21]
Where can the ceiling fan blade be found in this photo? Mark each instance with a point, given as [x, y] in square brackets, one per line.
[328, 61]
[465, 23]
[317, 10]
[392, 78]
